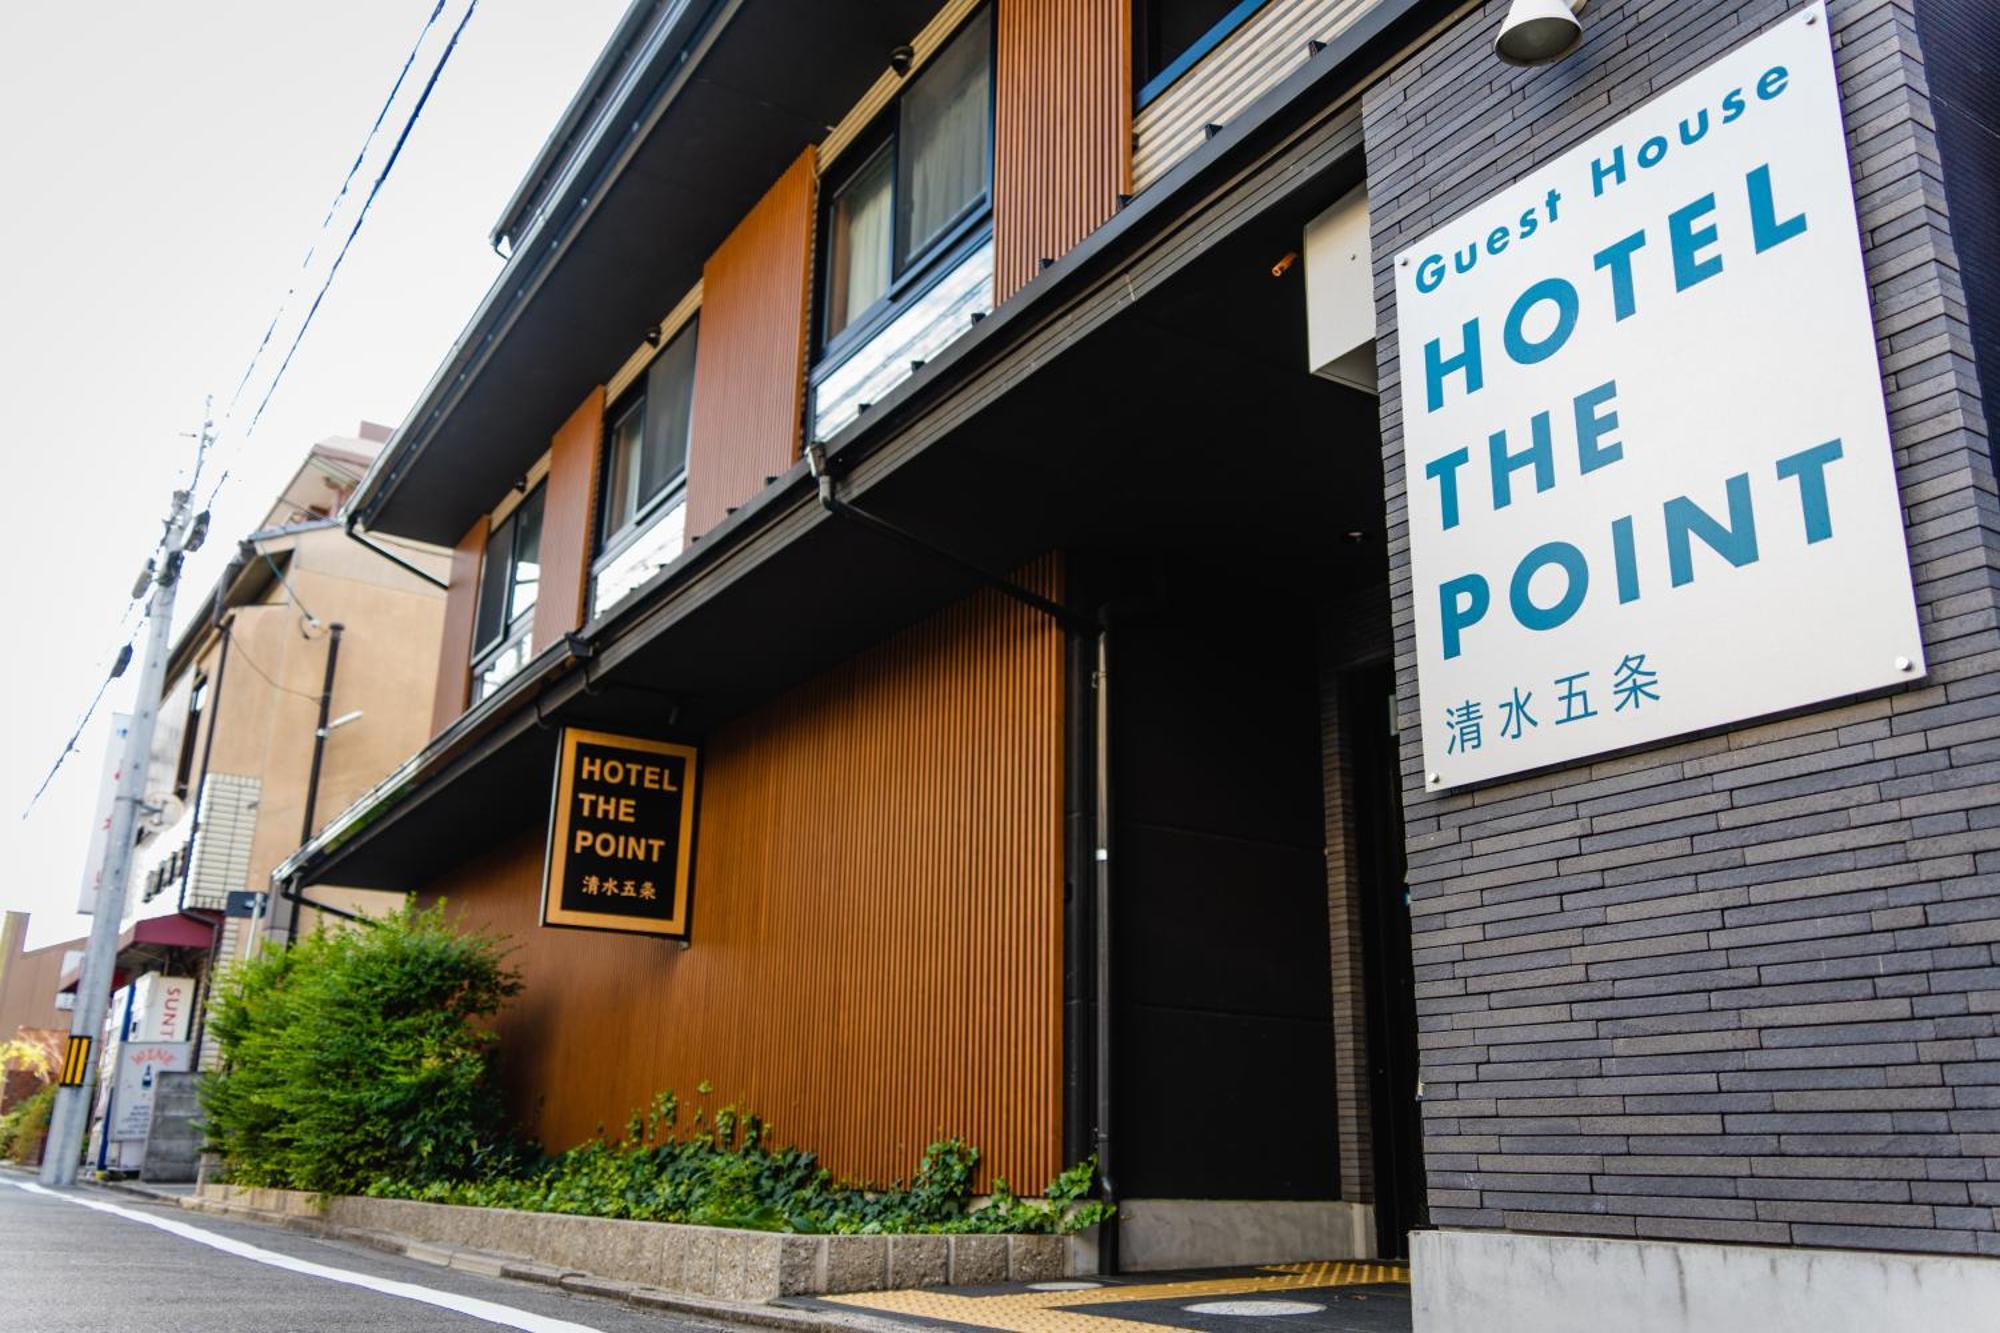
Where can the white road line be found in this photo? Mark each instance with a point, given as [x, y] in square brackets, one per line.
[504, 1315]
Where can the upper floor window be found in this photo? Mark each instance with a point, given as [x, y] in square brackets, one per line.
[915, 187]
[646, 444]
[184, 767]
[509, 580]
[1170, 36]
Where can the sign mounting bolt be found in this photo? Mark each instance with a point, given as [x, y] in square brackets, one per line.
[1904, 664]
[1434, 779]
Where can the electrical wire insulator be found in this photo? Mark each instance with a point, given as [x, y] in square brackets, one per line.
[145, 580]
[124, 660]
[197, 532]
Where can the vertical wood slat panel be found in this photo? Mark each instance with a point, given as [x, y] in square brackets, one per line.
[569, 510]
[750, 363]
[877, 917]
[1062, 129]
[461, 606]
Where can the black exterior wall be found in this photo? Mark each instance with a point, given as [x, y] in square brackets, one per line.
[1222, 1024]
[1740, 986]
[1961, 42]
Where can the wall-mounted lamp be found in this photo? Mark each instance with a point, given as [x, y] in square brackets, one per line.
[1536, 32]
[901, 58]
[338, 723]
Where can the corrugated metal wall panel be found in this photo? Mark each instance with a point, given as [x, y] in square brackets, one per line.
[877, 918]
[1249, 62]
[455, 649]
[1061, 128]
[749, 373]
[569, 508]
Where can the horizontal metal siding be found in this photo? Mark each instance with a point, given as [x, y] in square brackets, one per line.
[1248, 63]
[876, 957]
[1062, 129]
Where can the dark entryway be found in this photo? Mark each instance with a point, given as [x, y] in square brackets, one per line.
[1222, 1032]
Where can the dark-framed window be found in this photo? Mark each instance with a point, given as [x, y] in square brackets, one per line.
[184, 767]
[646, 442]
[910, 189]
[1169, 37]
[510, 579]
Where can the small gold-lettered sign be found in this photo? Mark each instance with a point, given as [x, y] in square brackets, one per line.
[621, 835]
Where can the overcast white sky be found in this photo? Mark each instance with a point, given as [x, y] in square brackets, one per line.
[163, 170]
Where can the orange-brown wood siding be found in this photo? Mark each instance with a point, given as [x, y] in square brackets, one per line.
[461, 605]
[876, 955]
[1062, 129]
[569, 509]
[750, 365]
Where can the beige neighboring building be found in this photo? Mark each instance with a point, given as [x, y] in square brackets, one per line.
[302, 678]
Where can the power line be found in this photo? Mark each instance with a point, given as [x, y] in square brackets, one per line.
[236, 648]
[352, 170]
[156, 571]
[362, 216]
[286, 584]
[69, 747]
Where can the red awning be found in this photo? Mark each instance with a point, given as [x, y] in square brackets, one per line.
[176, 930]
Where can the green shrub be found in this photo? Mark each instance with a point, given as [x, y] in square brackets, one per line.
[727, 1172]
[357, 1054]
[23, 1128]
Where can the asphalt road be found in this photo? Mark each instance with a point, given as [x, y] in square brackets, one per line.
[93, 1261]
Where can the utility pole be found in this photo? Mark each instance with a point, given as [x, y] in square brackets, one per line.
[70, 1119]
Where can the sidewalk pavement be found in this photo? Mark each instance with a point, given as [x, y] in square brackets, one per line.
[1325, 1297]
[1335, 1296]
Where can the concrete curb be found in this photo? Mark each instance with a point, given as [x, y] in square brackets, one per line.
[489, 1263]
[138, 1189]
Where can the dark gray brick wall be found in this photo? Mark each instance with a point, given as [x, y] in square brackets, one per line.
[1741, 987]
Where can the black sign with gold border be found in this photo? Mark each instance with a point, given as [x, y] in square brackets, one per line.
[621, 835]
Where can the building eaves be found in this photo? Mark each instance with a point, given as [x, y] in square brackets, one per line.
[716, 100]
[779, 513]
[578, 119]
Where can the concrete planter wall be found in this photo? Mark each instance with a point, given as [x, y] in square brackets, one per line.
[700, 1261]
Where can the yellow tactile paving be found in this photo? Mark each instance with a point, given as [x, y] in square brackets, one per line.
[1054, 1312]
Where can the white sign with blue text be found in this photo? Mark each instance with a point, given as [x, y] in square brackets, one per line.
[1648, 466]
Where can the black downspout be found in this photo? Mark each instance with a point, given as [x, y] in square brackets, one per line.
[1107, 1234]
[391, 556]
[292, 894]
[319, 754]
[1099, 629]
[194, 830]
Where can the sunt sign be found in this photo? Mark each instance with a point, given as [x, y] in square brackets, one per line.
[1648, 466]
[621, 835]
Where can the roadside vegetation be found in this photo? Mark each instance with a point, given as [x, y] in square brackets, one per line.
[360, 1061]
[727, 1171]
[24, 1127]
[359, 1055]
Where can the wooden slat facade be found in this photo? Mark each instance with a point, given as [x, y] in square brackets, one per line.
[569, 512]
[1062, 129]
[876, 956]
[455, 646]
[750, 368]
